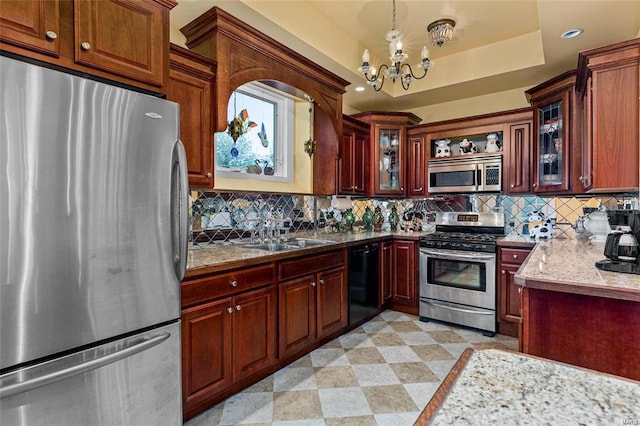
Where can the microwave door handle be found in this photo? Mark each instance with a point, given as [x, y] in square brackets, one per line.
[479, 168]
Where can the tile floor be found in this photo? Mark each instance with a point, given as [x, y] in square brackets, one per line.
[382, 373]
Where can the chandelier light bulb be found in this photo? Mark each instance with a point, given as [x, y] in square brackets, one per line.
[373, 72]
[399, 45]
[425, 52]
[366, 56]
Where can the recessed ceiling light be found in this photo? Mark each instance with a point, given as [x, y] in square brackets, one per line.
[571, 33]
[359, 89]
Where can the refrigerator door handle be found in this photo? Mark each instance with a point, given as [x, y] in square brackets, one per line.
[179, 209]
[74, 370]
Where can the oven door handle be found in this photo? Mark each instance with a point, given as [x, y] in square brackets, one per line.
[452, 308]
[447, 256]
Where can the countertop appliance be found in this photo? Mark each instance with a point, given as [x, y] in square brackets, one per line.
[621, 247]
[458, 269]
[363, 282]
[473, 173]
[93, 227]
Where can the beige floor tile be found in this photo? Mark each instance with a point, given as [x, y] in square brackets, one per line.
[387, 339]
[377, 327]
[296, 405]
[264, 385]
[364, 356]
[328, 357]
[389, 399]
[432, 353]
[335, 343]
[355, 340]
[352, 421]
[404, 326]
[413, 372]
[446, 337]
[335, 377]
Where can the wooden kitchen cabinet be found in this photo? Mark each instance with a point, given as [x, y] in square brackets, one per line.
[388, 151]
[191, 84]
[229, 324]
[516, 162]
[556, 135]
[122, 40]
[404, 287]
[514, 132]
[509, 315]
[354, 150]
[608, 83]
[386, 273]
[418, 159]
[312, 300]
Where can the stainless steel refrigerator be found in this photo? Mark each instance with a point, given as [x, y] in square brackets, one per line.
[93, 226]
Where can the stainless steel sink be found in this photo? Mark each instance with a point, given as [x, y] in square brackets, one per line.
[309, 242]
[272, 246]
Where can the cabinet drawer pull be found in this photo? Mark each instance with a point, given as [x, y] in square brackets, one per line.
[515, 256]
[51, 35]
[230, 310]
[513, 186]
[85, 46]
[209, 175]
[519, 290]
[234, 283]
[419, 189]
[581, 178]
[238, 307]
[313, 284]
[504, 272]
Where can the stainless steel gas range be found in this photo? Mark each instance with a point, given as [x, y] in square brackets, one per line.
[458, 270]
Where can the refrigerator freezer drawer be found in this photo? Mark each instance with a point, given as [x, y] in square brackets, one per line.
[132, 381]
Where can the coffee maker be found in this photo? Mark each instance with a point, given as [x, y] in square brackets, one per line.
[622, 250]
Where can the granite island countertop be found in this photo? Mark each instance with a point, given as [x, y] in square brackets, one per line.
[492, 386]
[569, 266]
[218, 257]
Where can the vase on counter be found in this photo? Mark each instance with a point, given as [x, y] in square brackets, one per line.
[394, 218]
[377, 219]
[349, 219]
[367, 219]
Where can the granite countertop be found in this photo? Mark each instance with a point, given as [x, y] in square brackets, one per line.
[216, 258]
[569, 266]
[492, 386]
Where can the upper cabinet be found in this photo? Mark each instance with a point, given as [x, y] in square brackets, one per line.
[354, 153]
[191, 85]
[511, 128]
[556, 134]
[122, 40]
[607, 81]
[388, 151]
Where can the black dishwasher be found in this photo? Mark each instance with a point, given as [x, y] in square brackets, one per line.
[363, 281]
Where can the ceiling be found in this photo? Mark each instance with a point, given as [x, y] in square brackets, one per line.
[497, 45]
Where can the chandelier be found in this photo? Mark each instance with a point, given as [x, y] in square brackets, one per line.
[440, 32]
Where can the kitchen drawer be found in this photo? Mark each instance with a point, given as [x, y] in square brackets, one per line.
[199, 290]
[308, 265]
[512, 255]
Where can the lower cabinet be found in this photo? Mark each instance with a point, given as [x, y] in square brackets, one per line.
[313, 305]
[404, 274]
[509, 316]
[386, 272]
[225, 341]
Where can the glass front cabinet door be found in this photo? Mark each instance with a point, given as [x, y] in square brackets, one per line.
[387, 166]
[551, 103]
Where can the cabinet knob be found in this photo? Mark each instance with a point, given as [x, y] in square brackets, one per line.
[230, 310]
[85, 46]
[535, 184]
[515, 256]
[504, 272]
[209, 175]
[419, 189]
[513, 186]
[238, 307]
[519, 290]
[234, 283]
[313, 284]
[321, 281]
[581, 179]
[51, 35]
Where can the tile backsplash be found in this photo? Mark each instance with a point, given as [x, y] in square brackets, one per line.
[220, 217]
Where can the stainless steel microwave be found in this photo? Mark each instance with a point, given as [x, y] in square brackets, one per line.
[466, 174]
